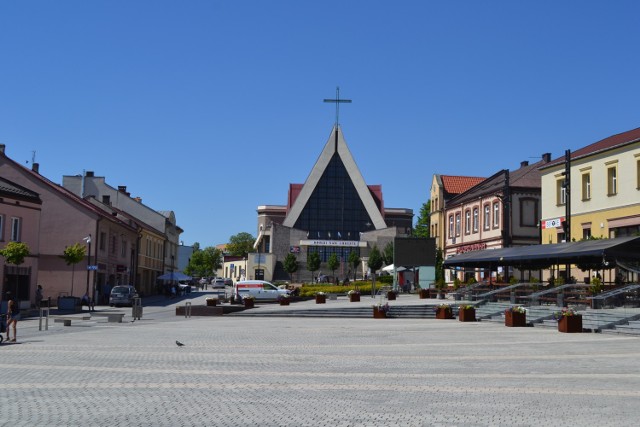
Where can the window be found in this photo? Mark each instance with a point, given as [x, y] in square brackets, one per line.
[1, 228]
[487, 217]
[457, 224]
[638, 174]
[612, 181]
[529, 212]
[467, 222]
[586, 186]
[496, 215]
[15, 229]
[561, 192]
[112, 245]
[123, 248]
[450, 226]
[586, 233]
[103, 240]
[475, 220]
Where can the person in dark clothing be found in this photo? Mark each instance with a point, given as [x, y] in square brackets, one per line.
[13, 315]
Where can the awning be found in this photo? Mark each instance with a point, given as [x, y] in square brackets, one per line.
[605, 252]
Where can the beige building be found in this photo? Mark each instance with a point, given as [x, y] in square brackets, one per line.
[604, 191]
[443, 189]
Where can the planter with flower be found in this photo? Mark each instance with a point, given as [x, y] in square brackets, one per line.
[354, 295]
[391, 295]
[248, 301]
[284, 299]
[380, 311]
[321, 298]
[423, 293]
[515, 316]
[568, 320]
[467, 313]
[211, 302]
[444, 311]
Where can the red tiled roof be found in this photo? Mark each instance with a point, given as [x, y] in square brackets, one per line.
[459, 184]
[602, 145]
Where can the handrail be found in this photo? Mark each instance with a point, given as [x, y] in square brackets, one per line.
[556, 289]
[497, 291]
[614, 292]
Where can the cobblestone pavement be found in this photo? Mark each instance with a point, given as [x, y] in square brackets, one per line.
[251, 371]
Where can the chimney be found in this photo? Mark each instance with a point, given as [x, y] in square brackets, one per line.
[89, 174]
[122, 188]
[546, 157]
[138, 199]
[2, 147]
[35, 167]
[524, 163]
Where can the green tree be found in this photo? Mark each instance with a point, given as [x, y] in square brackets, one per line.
[313, 263]
[15, 253]
[354, 262]
[240, 244]
[290, 264]
[423, 222]
[72, 255]
[387, 254]
[375, 262]
[333, 263]
[204, 263]
[439, 265]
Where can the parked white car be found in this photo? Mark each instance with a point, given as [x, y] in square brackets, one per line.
[259, 289]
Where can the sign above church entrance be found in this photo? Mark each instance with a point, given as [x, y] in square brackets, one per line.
[343, 243]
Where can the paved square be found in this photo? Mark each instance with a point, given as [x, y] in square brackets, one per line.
[252, 371]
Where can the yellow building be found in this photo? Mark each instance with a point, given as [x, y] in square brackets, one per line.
[603, 191]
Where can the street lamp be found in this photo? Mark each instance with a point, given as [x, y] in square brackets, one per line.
[88, 240]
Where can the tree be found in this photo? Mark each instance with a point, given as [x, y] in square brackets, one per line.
[72, 255]
[375, 262]
[354, 261]
[290, 264]
[439, 265]
[423, 222]
[240, 244]
[333, 263]
[387, 254]
[313, 263]
[15, 253]
[204, 263]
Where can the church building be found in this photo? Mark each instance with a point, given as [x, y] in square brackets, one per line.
[333, 212]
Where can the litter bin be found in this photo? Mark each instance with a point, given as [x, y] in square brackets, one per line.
[136, 309]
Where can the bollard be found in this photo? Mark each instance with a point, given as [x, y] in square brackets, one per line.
[44, 312]
[136, 309]
[187, 309]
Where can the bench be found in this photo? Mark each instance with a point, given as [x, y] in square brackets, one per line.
[66, 320]
[111, 317]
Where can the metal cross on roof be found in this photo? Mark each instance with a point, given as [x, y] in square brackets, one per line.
[338, 101]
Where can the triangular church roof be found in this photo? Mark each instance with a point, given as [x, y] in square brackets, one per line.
[335, 144]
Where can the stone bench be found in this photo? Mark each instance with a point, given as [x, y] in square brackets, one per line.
[66, 320]
[111, 317]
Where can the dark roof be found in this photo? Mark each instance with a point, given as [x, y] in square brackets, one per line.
[613, 141]
[541, 256]
[11, 189]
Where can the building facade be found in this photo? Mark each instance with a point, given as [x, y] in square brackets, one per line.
[20, 210]
[333, 212]
[603, 193]
[501, 211]
[444, 188]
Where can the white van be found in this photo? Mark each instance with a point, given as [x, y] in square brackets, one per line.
[259, 289]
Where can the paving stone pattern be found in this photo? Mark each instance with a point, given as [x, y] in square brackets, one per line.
[252, 371]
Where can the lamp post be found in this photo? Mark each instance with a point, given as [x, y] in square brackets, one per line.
[88, 240]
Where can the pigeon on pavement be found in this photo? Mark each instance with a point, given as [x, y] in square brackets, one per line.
[179, 344]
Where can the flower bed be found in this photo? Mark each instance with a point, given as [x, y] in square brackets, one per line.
[444, 311]
[569, 321]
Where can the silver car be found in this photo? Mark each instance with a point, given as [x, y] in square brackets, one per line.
[122, 295]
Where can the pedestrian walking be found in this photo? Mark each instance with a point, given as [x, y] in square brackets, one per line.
[13, 315]
[39, 296]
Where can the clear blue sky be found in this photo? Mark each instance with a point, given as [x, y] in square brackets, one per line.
[211, 108]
